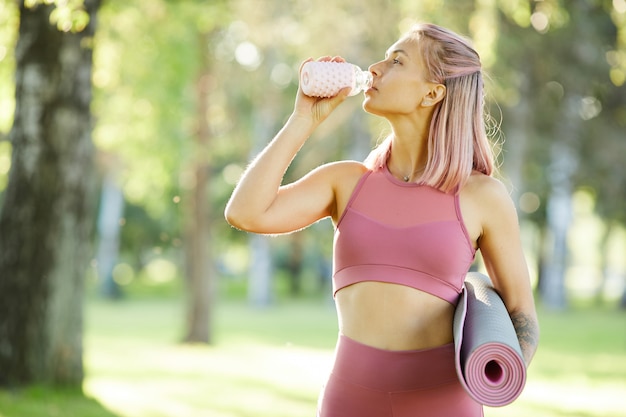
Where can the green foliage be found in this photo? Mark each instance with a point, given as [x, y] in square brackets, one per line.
[254, 52]
[8, 37]
[558, 82]
[68, 15]
[544, 57]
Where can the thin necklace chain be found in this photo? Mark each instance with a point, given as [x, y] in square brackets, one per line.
[406, 178]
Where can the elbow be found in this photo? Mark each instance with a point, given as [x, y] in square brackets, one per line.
[232, 218]
[237, 219]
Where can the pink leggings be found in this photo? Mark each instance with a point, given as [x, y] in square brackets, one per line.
[370, 382]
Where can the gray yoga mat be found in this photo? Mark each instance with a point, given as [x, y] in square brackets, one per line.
[489, 359]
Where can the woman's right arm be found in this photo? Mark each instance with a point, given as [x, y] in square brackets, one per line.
[260, 203]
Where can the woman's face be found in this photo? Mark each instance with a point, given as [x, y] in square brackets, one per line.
[399, 86]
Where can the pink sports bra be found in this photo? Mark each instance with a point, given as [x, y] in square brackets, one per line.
[402, 233]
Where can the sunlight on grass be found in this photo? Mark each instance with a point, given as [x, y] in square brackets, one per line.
[230, 381]
[579, 369]
[250, 373]
[576, 397]
[272, 362]
[43, 401]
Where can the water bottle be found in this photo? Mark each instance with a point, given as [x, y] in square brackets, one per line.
[325, 79]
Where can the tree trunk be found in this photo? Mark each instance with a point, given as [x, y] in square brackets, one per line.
[295, 264]
[199, 294]
[46, 220]
[261, 269]
[109, 229]
[559, 211]
[605, 263]
[260, 290]
[198, 251]
[552, 283]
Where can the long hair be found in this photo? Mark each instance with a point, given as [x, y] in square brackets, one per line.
[457, 142]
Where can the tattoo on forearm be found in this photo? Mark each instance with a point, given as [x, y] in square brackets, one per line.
[527, 330]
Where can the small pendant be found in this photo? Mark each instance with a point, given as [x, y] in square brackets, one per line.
[406, 179]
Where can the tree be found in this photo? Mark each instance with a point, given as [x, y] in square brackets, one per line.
[47, 215]
[199, 274]
[169, 111]
[561, 116]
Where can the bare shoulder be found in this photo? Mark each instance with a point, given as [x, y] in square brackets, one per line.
[345, 175]
[334, 174]
[486, 190]
[486, 205]
[348, 174]
[347, 169]
[340, 173]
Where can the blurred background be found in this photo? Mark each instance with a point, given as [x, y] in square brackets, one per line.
[125, 124]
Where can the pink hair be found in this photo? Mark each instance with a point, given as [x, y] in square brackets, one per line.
[457, 142]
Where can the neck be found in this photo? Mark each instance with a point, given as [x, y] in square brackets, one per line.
[409, 153]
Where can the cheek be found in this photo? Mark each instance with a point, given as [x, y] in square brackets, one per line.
[399, 101]
[407, 99]
[411, 94]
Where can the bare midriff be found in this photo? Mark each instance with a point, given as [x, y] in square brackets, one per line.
[393, 317]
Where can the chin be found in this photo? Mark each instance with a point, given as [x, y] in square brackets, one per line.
[367, 106]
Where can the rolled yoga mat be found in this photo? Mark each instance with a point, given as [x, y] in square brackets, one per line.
[489, 359]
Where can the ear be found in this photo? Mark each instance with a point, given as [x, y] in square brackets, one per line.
[434, 96]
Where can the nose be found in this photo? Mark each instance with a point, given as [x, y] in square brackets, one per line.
[375, 68]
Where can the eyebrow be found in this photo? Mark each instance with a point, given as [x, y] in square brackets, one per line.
[397, 51]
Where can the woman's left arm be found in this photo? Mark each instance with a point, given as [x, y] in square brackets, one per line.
[501, 248]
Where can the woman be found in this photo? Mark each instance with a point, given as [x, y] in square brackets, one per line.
[408, 222]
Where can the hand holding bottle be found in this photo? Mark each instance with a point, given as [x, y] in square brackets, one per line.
[326, 78]
[325, 83]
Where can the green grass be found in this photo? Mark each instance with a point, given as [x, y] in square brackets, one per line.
[579, 369]
[267, 362]
[271, 362]
[47, 402]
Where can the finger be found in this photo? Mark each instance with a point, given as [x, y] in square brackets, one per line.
[340, 97]
[343, 93]
[309, 59]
